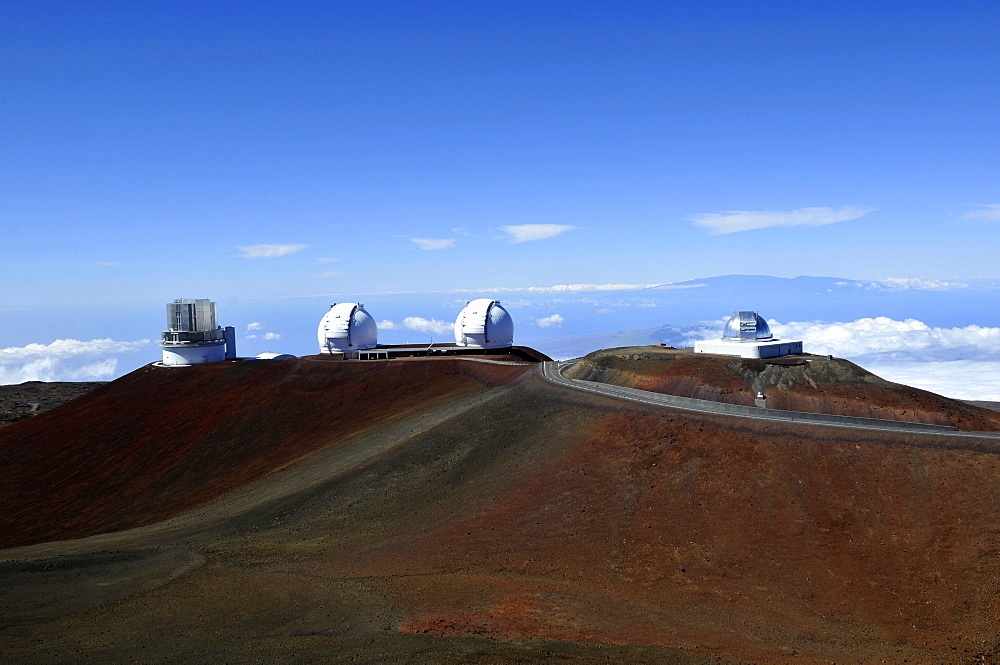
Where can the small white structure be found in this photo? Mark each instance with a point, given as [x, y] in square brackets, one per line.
[270, 355]
[484, 324]
[192, 336]
[347, 327]
[747, 335]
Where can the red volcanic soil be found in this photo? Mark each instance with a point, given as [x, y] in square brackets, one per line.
[162, 440]
[814, 384]
[492, 517]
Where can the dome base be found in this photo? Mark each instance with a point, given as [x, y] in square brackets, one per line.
[765, 349]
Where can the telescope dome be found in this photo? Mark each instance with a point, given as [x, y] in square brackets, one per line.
[746, 326]
[484, 324]
[347, 327]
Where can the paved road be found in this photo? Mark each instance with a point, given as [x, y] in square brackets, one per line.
[552, 372]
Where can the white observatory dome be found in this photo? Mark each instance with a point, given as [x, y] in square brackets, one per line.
[745, 326]
[347, 327]
[484, 324]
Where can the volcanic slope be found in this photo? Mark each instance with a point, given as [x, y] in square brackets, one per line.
[479, 514]
[814, 384]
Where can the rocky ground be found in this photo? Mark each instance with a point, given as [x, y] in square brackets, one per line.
[22, 401]
[447, 511]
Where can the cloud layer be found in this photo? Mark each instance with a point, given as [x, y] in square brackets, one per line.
[527, 232]
[66, 360]
[268, 251]
[733, 221]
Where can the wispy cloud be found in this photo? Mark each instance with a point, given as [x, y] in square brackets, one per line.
[433, 243]
[270, 336]
[386, 324]
[107, 263]
[330, 273]
[985, 213]
[733, 221]
[65, 360]
[554, 321]
[268, 251]
[255, 325]
[527, 232]
[324, 259]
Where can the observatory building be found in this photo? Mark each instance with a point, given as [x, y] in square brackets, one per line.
[484, 324]
[345, 328]
[192, 336]
[747, 335]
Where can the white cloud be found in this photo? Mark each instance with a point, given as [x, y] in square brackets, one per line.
[268, 251]
[527, 232]
[270, 336]
[324, 259]
[604, 310]
[554, 321]
[986, 213]
[386, 324]
[255, 325]
[64, 360]
[732, 221]
[433, 243]
[420, 324]
[331, 273]
[250, 337]
[107, 263]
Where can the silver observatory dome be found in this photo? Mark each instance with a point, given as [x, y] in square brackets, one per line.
[745, 326]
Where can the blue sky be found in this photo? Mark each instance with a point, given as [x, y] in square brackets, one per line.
[257, 153]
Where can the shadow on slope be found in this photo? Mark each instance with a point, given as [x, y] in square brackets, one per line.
[162, 440]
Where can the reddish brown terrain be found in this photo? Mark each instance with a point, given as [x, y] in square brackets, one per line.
[451, 511]
[814, 384]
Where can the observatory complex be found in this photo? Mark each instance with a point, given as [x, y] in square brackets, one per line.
[192, 335]
[483, 327]
[747, 335]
